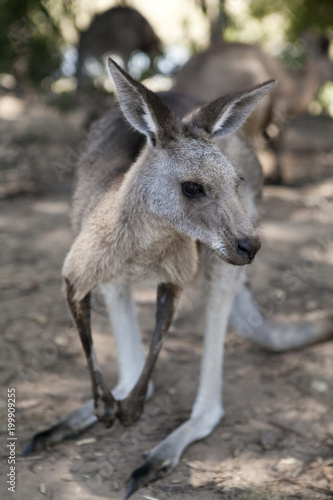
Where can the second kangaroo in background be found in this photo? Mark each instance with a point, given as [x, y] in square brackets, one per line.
[168, 200]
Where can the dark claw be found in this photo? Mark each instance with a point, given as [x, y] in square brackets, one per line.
[132, 487]
[29, 449]
[41, 441]
[149, 472]
[140, 477]
[45, 439]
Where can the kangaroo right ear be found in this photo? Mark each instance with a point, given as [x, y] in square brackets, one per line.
[226, 114]
[144, 110]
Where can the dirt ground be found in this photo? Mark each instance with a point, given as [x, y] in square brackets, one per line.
[276, 440]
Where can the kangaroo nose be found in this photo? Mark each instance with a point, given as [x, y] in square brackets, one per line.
[248, 247]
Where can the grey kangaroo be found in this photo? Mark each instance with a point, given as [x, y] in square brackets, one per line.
[120, 30]
[170, 200]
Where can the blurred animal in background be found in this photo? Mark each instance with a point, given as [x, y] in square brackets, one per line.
[227, 67]
[118, 31]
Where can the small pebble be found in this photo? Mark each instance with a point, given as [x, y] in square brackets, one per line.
[61, 340]
[40, 319]
[319, 385]
[82, 442]
[67, 478]
[26, 404]
[89, 469]
[226, 436]
[288, 461]
[74, 468]
[268, 440]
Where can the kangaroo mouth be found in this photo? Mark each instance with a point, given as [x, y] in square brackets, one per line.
[243, 253]
[237, 261]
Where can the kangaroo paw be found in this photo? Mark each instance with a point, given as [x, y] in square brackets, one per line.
[130, 410]
[106, 410]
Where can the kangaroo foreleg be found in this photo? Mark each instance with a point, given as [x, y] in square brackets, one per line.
[80, 311]
[130, 408]
[131, 360]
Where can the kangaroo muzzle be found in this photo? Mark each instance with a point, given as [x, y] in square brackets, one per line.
[247, 247]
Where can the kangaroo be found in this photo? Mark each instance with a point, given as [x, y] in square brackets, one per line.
[169, 199]
[225, 67]
[120, 30]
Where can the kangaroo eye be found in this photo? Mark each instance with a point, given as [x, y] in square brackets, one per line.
[192, 189]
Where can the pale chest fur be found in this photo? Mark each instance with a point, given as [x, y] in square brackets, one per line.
[144, 248]
[173, 259]
[114, 249]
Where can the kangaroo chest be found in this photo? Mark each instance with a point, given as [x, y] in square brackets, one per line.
[173, 261]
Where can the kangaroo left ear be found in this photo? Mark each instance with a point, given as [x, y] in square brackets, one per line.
[144, 109]
[228, 113]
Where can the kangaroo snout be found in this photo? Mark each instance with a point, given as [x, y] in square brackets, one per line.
[248, 247]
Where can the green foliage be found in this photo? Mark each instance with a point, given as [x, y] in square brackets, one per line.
[300, 15]
[325, 97]
[30, 39]
[293, 55]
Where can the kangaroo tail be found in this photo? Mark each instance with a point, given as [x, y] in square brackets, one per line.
[249, 322]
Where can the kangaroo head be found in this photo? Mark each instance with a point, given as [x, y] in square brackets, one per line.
[185, 179]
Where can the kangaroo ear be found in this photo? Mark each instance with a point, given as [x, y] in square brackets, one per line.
[226, 114]
[144, 110]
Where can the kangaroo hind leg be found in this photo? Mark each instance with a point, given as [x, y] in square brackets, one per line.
[121, 311]
[130, 408]
[208, 408]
